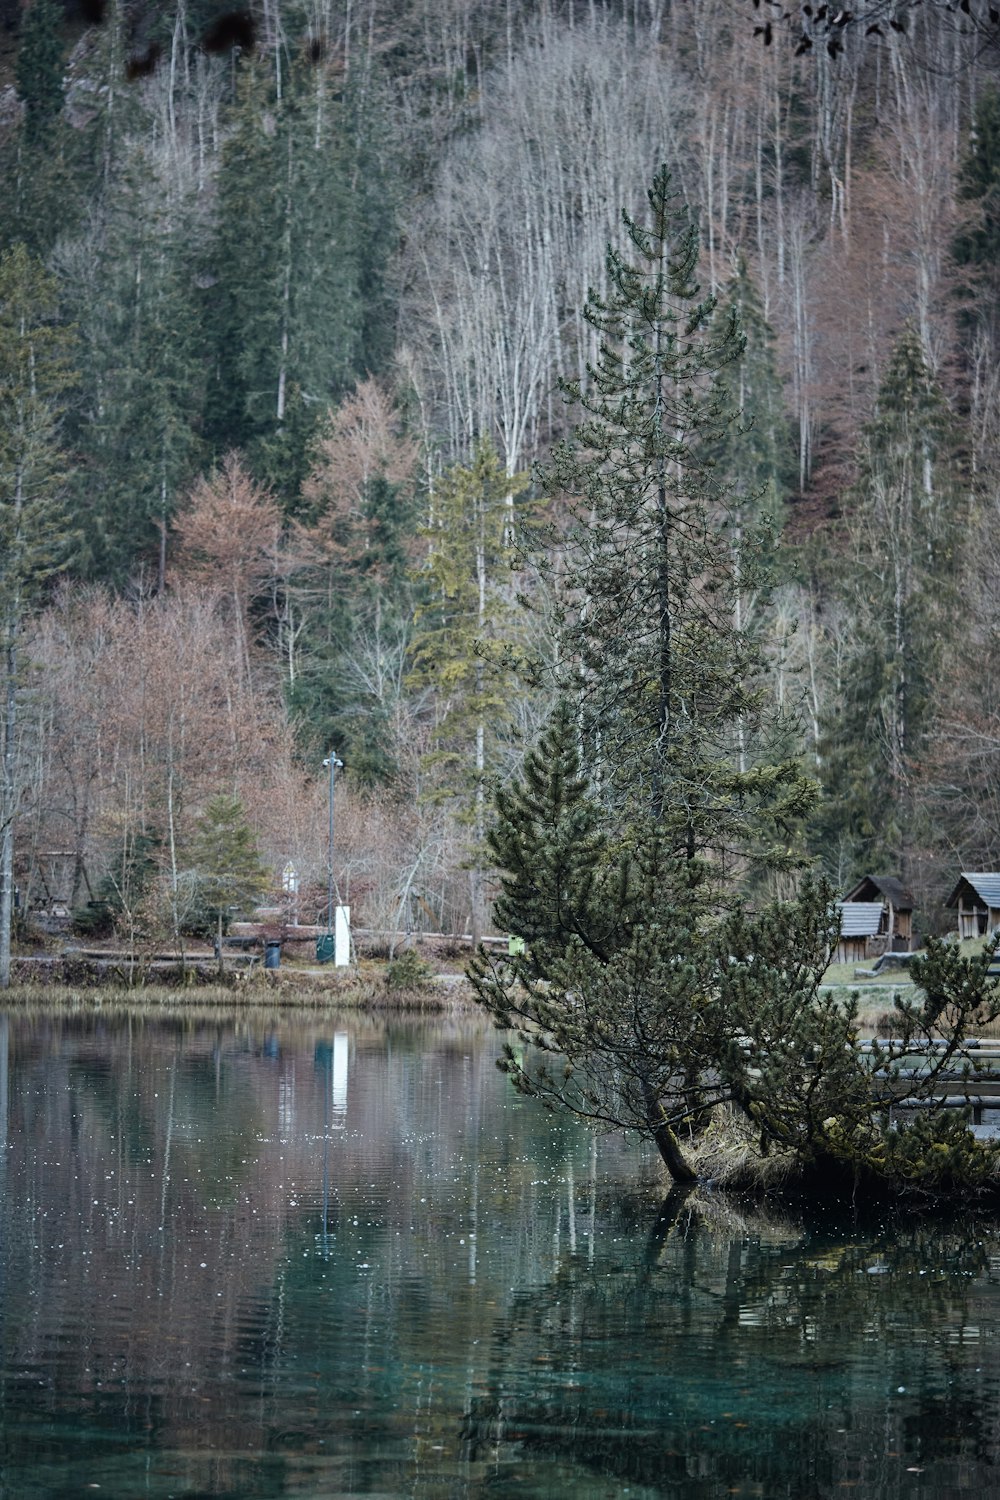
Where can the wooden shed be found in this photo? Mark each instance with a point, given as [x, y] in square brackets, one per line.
[876, 917]
[896, 924]
[976, 899]
[859, 924]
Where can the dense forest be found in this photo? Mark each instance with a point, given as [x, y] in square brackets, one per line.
[292, 318]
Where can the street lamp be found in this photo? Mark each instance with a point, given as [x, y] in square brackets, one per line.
[333, 761]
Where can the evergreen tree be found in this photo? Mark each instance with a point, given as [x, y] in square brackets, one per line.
[907, 511]
[671, 716]
[755, 453]
[464, 620]
[977, 245]
[225, 863]
[123, 889]
[34, 375]
[39, 67]
[43, 159]
[658, 561]
[466, 610]
[288, 302]
[136, 434]
[611, 984]
[632, 1008]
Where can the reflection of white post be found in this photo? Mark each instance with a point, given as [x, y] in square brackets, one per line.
[4, 1099]
[338, 1085]
[4, 1111]
[342, 937]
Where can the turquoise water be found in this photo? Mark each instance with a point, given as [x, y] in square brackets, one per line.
[276, 1258]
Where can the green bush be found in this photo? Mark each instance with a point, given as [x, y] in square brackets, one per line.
[408, 972]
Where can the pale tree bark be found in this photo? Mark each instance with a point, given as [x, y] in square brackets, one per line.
[496, 271]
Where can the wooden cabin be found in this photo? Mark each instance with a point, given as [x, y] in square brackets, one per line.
[876, 917]
[897, 910]
[859, 924]
[976, 900]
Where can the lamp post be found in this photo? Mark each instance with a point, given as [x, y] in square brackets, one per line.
[333, 762]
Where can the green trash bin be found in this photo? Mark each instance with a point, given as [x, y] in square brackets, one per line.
[324, 948]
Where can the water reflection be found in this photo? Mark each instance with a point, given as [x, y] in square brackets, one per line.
[332, 1258]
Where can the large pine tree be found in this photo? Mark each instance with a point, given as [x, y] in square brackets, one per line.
[133, 300]
[907, 514]
[465, 618]
[659, 556]
[296, 309]
[34, 375]
[655, 798]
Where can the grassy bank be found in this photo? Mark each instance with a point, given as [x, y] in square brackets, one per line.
[281, 991]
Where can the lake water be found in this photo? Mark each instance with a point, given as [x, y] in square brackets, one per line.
[269, 1257]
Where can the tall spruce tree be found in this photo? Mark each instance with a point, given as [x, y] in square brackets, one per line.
[34, 374]
[136, 433]
[225, 863]
[644, 1015]
[756, 453]
[39, 67]
[906, 520]
[659, 555]
[43, 158]
[465, 618]
[977, 245]
[295, 270]
[685, 801]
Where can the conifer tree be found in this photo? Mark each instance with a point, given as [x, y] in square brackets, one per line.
[34, 374]
[136, 435]
[465, 618]
[285, 316]
[225, 862]
[616, 888]
[977, 245]
[632, 1008]
[39, 67]
[755, 454]
[42, 159]
[672, 696]
[632, 1005]
[906, 523]
[612, 983]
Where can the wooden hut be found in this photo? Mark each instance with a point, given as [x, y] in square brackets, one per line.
[896, 924]
[859, 924]
[876, 917]
[976, 899]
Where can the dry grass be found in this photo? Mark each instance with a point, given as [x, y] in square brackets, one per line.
[279, 991]
[844, 975]
[727, 1154]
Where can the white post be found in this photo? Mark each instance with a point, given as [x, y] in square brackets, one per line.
[342, 937]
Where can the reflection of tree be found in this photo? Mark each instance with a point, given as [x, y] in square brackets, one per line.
[472, 1302]
[164, 1204]
[751, 1361]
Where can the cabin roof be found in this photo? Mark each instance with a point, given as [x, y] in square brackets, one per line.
[859, 918]
[984, 886]
[887, 886]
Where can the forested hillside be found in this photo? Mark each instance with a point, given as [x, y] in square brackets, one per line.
[288, 303]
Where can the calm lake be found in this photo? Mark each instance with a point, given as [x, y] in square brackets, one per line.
[250, 1256]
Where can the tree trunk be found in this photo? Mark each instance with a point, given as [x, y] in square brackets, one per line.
[666, 1140]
